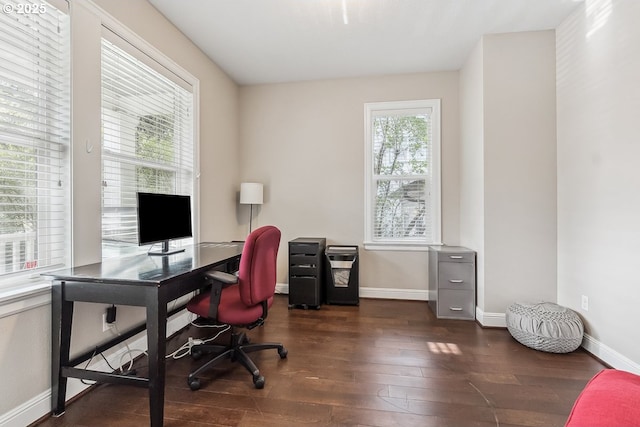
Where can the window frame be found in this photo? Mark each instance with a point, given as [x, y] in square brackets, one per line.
[372, 109]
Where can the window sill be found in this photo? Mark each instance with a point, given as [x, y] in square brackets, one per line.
[407, 247]
[16, 299]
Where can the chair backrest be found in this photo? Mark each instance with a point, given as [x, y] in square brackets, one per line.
[257, 273]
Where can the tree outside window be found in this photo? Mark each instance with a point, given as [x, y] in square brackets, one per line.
[154, 142]
[400, 156]
[18, 202]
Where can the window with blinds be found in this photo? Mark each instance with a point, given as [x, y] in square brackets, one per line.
[147, 143]
[403, 169]
[34, 137]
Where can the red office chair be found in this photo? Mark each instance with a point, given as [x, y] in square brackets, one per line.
[240, 301]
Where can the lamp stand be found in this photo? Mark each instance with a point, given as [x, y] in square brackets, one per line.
[250, 216]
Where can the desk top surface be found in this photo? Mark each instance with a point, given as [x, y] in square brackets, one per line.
[152, 270]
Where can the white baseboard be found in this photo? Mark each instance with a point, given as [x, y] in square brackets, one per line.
[609, 355]
[40, 405]
[28, 412]
[490, 320]
[381, 293]
[388, 293]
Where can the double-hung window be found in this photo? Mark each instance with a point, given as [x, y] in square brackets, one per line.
[34, 138]
[402, 167]
[147, 140]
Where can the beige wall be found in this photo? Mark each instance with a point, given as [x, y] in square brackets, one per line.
[305, 142]
[25, 351]
[508, 184]
[598, 64]
[520, 169]
[472, 162]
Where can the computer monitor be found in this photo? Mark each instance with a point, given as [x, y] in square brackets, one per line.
[161, 218]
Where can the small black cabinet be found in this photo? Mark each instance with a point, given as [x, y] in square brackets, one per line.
[306, 270]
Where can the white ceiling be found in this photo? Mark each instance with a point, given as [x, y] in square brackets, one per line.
[269, 41]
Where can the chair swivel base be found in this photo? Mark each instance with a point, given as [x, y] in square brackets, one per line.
[237, 352]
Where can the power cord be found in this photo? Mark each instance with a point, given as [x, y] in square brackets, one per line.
[192, 323]
[82, 380]
[185, 349]
[95, 352]
[129, 353]
[181, 352]
[129, 370]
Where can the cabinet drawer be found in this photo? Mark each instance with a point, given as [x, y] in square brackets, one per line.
[304, 291]
[457, 256]
[456, 304]
[303, 271]
[456, 275]
[303, 282]
[300, 248]
[304, 260]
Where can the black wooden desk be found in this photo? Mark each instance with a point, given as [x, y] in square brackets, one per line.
[142, 280]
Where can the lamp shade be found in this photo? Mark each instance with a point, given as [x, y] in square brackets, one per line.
[251, 193]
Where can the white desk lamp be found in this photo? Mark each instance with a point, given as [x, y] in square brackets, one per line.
[250, 194]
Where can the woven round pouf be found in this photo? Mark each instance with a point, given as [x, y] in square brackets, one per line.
[545, 326]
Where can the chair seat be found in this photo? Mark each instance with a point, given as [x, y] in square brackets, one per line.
[231, 309]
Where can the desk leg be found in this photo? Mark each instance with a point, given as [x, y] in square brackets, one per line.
[156, 340]
[61, 318]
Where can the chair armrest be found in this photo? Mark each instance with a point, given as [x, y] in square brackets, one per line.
[221, 276]
[219, 279]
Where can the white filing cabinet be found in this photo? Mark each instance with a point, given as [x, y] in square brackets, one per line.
[452, 282]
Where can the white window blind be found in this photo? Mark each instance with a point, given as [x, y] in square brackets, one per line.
[147, 142]
[403, 167]
[34, 137]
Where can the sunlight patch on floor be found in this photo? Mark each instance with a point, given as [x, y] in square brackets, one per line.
[444, 348]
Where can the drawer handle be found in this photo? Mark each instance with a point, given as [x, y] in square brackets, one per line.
[455, 256]
[455, 308]
[456, 281]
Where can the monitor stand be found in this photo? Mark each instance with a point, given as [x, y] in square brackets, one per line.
[165, 250]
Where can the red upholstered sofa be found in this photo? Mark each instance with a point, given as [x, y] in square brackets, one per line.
[610, 399]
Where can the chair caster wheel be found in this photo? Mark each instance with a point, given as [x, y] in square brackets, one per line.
[258, 381]
[283, 353]
[194, 383]
[196, 354]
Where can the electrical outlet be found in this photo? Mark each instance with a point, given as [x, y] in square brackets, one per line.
[106, 326]
[585, 303]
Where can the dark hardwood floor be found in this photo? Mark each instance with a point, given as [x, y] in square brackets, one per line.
[382, 363]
